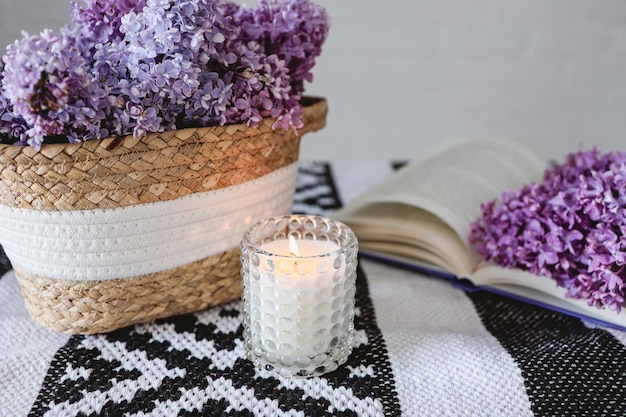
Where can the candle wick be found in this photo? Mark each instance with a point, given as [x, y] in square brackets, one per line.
[293, 246]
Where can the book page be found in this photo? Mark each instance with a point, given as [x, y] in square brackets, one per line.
[400, 229]
[454, 182]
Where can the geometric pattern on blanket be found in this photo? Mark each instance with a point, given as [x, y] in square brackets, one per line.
[194, 364]
[557, 370]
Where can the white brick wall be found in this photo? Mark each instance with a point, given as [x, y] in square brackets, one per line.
[402, 76]
[31, 16]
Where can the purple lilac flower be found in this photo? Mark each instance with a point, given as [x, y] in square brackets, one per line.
[293, 30]
[267, 54]
[156, 65]
[570, 227]
[12, 127]
[48, 84]
[139, 66]
[100, 20]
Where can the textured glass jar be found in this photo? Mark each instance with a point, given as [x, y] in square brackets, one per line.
[298, 310]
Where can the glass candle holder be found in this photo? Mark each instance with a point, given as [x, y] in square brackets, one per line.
[299, 275]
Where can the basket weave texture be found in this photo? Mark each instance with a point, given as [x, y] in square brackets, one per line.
[117, 172]
[121, 172]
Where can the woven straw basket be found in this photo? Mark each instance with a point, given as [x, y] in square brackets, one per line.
[107, 233]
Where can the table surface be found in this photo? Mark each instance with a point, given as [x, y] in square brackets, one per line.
[421, 348]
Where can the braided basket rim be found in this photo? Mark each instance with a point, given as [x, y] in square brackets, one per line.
[315, 109]
[115, 172]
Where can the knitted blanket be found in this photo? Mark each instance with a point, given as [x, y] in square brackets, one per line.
[421, 348]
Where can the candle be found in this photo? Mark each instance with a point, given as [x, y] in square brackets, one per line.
[299, 248]
[299, 284]
[298, 328]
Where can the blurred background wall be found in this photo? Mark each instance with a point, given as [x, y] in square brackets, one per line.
[404, 76]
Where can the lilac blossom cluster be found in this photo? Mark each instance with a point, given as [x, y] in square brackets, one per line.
[138, 66]
[100, 20]
[570, 227]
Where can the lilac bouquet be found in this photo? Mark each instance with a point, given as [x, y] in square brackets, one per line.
[137, 66]
[570, 227]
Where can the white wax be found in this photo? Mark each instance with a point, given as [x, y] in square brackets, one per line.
[298, 301]
[306, 247]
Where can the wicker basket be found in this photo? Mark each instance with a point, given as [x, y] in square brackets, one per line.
[104, 234]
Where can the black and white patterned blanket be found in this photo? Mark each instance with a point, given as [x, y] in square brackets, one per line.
[422, 348]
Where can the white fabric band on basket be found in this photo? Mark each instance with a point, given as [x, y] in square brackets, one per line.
[128, 241]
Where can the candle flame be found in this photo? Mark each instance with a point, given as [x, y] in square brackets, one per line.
[293, 246]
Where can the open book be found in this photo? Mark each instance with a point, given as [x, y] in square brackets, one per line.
[420, 217]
